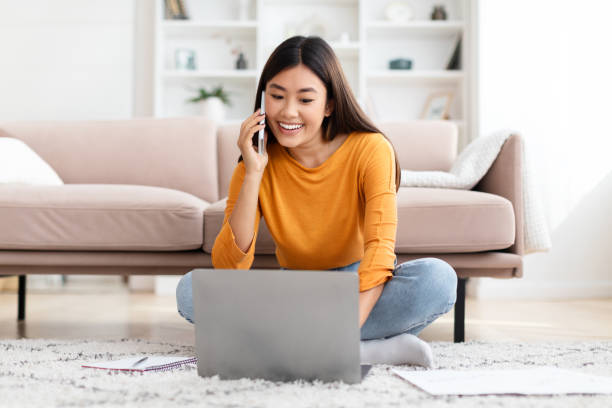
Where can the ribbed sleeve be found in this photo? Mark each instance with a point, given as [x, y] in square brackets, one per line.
[380, 224]
[225, 253]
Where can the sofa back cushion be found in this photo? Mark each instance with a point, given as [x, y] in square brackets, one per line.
[176, 153]
[420, 145]
[423, 145]
[228, 154]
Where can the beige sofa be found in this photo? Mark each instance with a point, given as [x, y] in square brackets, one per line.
[146, 196]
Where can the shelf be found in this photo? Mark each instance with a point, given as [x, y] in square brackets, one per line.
[316, 2]
[393, 75]
[226, 74]
[213, 24]
[186, 26]
[417, 27]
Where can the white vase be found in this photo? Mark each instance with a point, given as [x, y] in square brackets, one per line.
[243, 10]
[213, 108]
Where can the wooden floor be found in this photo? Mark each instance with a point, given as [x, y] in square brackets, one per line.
[112, 312]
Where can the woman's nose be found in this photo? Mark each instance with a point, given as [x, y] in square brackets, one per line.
[289, 109]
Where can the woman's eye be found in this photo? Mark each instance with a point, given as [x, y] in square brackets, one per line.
[303, 100]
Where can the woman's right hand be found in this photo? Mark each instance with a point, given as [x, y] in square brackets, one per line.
[254, 162]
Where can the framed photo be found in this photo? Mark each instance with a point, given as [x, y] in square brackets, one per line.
[184, 59]
[437, 106]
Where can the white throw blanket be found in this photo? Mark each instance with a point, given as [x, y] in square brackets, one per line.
[471, 165]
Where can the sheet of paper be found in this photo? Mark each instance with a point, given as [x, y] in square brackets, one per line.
[529, 381]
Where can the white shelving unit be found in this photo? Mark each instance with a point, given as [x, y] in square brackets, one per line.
[214, 28]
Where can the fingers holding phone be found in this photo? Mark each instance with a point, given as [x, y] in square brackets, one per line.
[253, 160]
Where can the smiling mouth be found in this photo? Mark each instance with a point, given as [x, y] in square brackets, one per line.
[290, 132]
[290, 126]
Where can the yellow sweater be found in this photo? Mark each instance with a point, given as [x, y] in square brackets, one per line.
[320, 218]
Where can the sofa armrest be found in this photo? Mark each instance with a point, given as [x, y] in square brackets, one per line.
[504, 178]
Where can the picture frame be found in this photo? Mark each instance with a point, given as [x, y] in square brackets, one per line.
[185, 59]
[437, 106]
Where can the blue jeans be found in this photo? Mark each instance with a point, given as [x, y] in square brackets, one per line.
[420, 291]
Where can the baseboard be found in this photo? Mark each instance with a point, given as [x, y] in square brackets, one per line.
[43, 282]
[489, 288]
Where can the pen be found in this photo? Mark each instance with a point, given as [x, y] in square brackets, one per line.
[139, 361]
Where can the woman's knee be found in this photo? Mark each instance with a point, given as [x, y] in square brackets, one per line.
[435, 277]
[184, 301]
[444, 278]
[183, 288]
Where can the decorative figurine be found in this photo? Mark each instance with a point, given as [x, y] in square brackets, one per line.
[241, 63]
[438, 13]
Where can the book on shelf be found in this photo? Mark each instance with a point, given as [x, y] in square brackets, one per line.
[455, 60]
[175, 10]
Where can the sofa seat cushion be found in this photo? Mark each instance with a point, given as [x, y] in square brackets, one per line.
[430, 220]
[438, 220]
[99, 217]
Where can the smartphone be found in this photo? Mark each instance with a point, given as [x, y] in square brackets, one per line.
[260, 146]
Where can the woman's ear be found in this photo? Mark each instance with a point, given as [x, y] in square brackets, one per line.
[329, 108]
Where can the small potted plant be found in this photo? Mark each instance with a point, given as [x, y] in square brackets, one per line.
[212, 102]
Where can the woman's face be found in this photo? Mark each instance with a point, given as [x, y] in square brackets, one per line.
[296, 99]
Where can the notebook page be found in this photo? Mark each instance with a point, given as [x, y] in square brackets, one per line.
[150, 363]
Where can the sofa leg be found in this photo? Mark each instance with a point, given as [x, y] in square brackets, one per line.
[21, 298]
[460, 311]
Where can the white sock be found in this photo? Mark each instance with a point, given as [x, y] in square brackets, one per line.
[402, 349]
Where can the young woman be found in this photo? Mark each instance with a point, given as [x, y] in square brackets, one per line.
[326, 187]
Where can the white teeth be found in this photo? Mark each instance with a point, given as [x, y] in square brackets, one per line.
[291, 127]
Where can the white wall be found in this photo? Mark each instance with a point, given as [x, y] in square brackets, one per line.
[74, 60]
[144, 37]
[66, 59]
[545, 71]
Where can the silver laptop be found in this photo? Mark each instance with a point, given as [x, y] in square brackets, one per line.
[279, 325]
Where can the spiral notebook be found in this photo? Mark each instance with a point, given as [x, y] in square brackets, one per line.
[152, 363]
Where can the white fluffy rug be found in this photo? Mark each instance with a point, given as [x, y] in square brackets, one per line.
[44, 373]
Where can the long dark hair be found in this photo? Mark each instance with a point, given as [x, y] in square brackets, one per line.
[313, 52]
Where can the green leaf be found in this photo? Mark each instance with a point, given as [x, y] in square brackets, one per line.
[216, 92]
